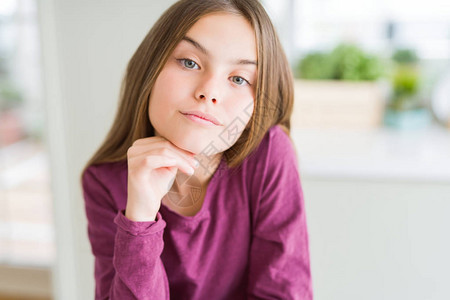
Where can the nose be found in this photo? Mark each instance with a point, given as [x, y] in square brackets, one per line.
[203, 97]
[208, 89]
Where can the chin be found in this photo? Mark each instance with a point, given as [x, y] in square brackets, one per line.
[193, 141]
[186, 142]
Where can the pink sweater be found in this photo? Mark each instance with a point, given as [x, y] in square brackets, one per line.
[248, 241]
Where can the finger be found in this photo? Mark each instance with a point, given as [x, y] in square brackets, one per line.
[186, 152]
[177, 151]
[159, 139]
[167, 160]
[159, 161]
[170, 147]
[148, 140]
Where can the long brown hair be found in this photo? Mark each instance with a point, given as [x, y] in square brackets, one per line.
[274, 87]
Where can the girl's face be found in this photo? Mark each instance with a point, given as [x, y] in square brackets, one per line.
[212, 70]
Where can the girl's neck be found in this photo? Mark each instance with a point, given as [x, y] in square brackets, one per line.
[203, 174]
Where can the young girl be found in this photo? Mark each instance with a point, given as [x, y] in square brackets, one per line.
[195, 192]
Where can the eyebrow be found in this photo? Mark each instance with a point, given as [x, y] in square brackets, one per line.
[204, 51]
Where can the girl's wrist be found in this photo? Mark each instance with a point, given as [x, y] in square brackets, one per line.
[139, 214]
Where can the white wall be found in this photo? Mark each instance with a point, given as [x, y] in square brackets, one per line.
[86, 46]
[376, 240]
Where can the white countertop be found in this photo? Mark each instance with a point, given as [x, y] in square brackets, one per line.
[374, 154]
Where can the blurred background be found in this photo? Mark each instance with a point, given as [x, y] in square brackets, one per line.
[371, 125]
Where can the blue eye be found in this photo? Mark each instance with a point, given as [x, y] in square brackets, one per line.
[188, 63]
[240, 81]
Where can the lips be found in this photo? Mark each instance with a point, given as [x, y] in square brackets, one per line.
[202, 115]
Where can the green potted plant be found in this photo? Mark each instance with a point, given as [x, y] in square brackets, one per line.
[405, 109]
[346, 62]
[339, 88]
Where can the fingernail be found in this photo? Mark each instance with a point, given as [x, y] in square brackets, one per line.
[196, 163]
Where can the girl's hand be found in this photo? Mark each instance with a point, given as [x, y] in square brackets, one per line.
[152, 165]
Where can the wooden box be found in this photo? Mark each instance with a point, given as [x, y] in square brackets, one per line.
[338, 104]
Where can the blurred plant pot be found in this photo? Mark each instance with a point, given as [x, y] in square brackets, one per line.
[11, 127]
[336, 103]
[416, 118]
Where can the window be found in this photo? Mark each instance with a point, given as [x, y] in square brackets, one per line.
[375, 25]
[26, 225]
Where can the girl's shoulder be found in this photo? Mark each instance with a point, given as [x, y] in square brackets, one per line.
[109, 173]
[273, 163]
[274, 155]
[106, 184]
[278, 135]
[275, 145]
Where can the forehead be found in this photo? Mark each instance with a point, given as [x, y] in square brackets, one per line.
[224, 35]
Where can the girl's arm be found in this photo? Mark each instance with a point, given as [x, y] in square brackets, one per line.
[279, 265]
[127, 253]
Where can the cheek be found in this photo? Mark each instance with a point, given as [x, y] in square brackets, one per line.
[165, 83]
[169, 89]
[239, 113]
[242, 107]
[174, 76]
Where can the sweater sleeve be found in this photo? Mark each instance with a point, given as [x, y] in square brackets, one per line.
[127, 254]
[279, 265]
